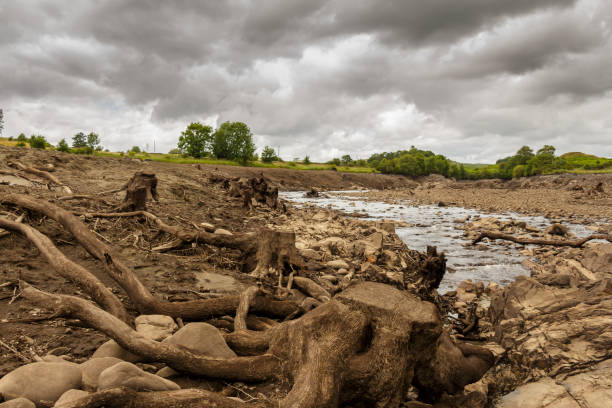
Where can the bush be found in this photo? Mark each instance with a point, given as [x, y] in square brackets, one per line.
[82, 150]
[306, 160]
[268, 155]
[22, 138]
[175, 151]
[38, 142]
[135, 149]
[10, 138]
[62, 146]
[20, 143]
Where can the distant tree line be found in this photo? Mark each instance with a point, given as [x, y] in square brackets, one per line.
[231, 141]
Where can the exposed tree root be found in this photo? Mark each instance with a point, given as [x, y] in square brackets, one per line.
[256, 368]
[311, 288]
[246, 298]
[43, 174]
[144, 301]
[84, 197]
[540, 241]
[69, 269]
[187, 398]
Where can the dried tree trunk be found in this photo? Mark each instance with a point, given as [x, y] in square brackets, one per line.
[276, 253]
[540, 241]
[144, 301]
[69, 269]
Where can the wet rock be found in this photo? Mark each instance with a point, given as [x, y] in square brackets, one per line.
[155, 327]
[202, 338]
[92, 369]
[128, 375]
[41, 381]
[112, 349]
[69, 396]
[18, 403]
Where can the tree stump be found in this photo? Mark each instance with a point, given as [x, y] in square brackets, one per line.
[139, 188]
[276, 253]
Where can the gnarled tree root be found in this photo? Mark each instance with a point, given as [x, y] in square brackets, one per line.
[69, 269]
[43, 174]
[116, 268]
[256, 368]
[187, 398]
[539, 241]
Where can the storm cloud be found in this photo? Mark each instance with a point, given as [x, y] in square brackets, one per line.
[471, 79]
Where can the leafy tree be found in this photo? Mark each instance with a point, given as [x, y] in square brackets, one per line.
[234, 141]
[79, 140]
[93, 140]
[306, 160]
[62, 146]
[135, 149]
[523, 155]
[196, 141]
[38, 142]
[268, 155]
[547, 150]
[346, 160]
[22, 138]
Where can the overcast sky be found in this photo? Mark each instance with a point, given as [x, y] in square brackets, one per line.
[471, 79]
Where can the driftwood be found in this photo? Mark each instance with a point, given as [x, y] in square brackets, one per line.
[69, 269]
[142, 298]
[540, 241]
[43, 174]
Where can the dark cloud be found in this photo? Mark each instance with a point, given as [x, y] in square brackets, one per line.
[473, 79]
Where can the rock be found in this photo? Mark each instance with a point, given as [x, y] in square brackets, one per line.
[155, 327]
[69, 396]
[338, 264]
[593, 390]
[41, 381]
[112, 349]
[320, 216]
[126, 374]
[387, 226]
[92, 369]
[369, 248]
[202, 338]
[557, 229]
[311, 254]
[221, 231]
[207, 226]
[18, 403]
[333, 245]
[166, 372]
[598, 258]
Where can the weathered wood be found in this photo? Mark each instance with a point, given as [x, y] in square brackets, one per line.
[576, 243]
[139, 188]
[43, 174]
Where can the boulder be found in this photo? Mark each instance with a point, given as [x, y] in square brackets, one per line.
[69, 396]
[155, 327]
[112, 349]
[202, 338]
[41, 381]
[126, 374]
[18, 403]
[92, 369]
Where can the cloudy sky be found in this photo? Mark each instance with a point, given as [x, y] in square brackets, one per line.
[471, 79]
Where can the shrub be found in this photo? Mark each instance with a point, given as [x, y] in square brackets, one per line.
[38, 142]
[20, 143]
[306, 160]
[62, 146]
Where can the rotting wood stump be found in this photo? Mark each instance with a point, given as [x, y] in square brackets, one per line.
[139, 188]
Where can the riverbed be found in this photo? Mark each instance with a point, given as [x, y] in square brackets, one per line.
[439, 226]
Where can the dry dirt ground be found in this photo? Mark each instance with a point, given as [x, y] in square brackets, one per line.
[189, 196]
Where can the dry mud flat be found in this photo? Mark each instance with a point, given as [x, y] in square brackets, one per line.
[339, 311]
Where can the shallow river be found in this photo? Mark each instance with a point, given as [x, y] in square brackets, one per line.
[433, 225]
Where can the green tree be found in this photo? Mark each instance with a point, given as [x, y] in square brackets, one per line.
[22, 138]
[79, 140]
[93, 140]
[306, 160]
[268, 155]
[234, 140]
[62, 146]
[346, 160]
[135, 149]
[38, 142]
[196, 141]
[523, 155]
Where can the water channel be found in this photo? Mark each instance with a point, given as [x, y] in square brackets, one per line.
[433, 225]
